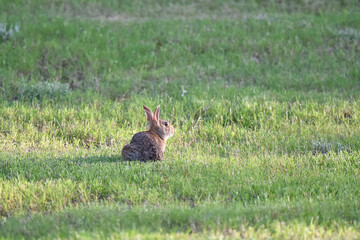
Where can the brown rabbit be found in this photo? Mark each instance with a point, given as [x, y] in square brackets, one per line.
[149, 145]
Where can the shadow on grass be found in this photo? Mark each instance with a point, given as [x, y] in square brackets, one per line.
[36, 167]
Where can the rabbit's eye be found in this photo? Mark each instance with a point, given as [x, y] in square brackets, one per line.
[166, 124]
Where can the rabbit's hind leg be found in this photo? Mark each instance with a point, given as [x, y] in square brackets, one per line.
[130, 153]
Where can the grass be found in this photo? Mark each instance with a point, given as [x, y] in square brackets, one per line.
[264, 97]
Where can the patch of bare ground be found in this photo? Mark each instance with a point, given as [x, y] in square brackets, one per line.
[92, 12]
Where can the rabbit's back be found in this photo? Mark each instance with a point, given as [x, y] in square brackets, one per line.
[144, 146]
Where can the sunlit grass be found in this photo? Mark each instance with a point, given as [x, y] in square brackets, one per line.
[263, 95]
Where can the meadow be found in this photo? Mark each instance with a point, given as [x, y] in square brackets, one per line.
[264, 97]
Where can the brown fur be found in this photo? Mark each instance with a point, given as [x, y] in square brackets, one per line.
[149, 145]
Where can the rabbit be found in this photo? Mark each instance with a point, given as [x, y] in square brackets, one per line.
[149, 145]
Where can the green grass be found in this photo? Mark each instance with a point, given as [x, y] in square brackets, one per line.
[264, 97]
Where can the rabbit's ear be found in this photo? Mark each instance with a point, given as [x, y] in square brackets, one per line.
[157, 111]
[149, 114]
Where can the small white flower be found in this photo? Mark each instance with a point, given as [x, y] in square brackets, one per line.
[116, 61]
[183, 93]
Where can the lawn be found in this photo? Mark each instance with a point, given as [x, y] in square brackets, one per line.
[264, 97]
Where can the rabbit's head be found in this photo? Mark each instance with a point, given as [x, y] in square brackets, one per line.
[161, 127]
